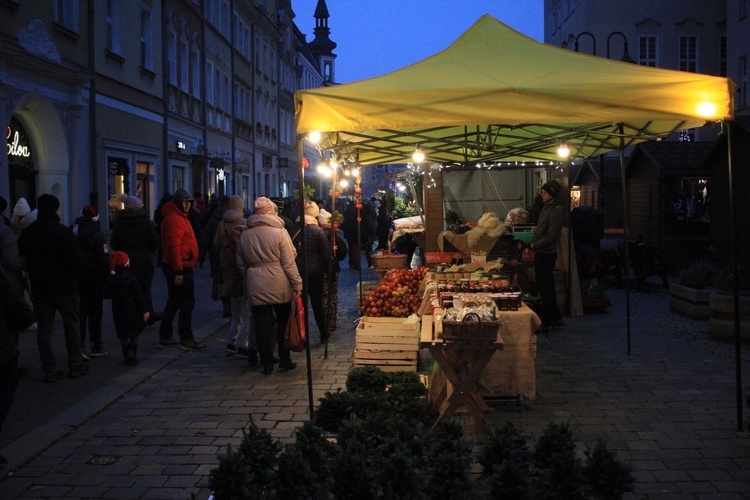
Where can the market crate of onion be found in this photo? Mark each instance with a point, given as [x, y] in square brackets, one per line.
[397, 295]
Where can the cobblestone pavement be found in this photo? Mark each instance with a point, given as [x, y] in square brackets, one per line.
[155, 430]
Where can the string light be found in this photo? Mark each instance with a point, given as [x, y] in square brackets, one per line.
[418, 155]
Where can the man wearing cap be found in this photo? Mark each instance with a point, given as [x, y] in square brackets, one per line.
[544, 244]
[179, 257]
[55, 264]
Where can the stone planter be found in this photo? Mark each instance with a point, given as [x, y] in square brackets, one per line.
[721, 323]
[690, 302]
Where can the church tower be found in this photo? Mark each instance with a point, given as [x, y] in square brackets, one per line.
[322, 47]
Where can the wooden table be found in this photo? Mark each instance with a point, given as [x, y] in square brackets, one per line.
[508, 372]
[463, 364]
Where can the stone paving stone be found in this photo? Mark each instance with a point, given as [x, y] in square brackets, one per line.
[130, 492]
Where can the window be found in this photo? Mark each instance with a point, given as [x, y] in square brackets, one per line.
[209, 82]
[195, 67]
[688, 54]
[743, 8]
[147, 42]
[66, 14]
[743, 82]
[722, 55]
[172, 56]
[647, 51]
[217, 88]
[113, 22]
[184, 73]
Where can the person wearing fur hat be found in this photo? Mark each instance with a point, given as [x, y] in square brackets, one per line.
[544, 244]
[179, 257]
[129, 307]
[55, 264]
[265, 254]
[135, 234]
[319, 259]
[95, 253]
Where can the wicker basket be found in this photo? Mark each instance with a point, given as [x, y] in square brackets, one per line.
[390, 261]
[470, 331]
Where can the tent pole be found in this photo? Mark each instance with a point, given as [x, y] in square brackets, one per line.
[301, 201]
[733, 231]
[626, 234]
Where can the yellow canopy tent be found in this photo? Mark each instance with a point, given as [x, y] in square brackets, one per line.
[495, 95]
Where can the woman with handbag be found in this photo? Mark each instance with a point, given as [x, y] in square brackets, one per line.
[266, 256]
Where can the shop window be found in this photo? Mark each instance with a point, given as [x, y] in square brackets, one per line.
[144, 183]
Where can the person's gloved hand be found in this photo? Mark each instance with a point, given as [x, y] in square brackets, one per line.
[178, 280]
[146, 316]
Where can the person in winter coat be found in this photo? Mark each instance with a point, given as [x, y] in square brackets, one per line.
[226, 249]
[129, 306]
[207, 249]
[5, 221]
[319, 260]
[266, 256]
[95, 253]
[135, 234]
[544, 244]
[15, 315]
[179, 256]
[241, 339]
[55, 264]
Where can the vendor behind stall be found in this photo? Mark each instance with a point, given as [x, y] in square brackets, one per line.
[544, 245]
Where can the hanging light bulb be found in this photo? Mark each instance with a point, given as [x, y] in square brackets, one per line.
[417, 155]
[314, 137]
[563, 151]
[344, 183]
[355, 172]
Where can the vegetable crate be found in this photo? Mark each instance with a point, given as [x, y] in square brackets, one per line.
[391, 344]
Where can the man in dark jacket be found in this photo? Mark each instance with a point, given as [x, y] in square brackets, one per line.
[55, 264]
[95, 253]
[179, 256]
[544, 244]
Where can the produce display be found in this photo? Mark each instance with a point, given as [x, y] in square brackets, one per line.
[397, 295]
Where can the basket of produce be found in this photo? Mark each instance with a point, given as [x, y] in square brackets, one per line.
[382, 262]
[471, 328]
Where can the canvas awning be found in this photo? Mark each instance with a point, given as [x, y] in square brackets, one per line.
[496, 95]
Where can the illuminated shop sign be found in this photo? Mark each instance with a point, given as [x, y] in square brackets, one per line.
[17, 146]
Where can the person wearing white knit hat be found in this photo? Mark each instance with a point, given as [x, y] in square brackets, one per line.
[23, 216]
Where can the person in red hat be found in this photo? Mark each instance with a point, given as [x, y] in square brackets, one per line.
[129, 306]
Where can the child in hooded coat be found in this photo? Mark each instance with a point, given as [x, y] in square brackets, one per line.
[129, 308]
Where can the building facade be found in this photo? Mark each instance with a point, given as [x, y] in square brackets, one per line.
[103, 97]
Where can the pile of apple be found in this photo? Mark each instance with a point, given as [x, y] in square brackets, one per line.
[397, 295]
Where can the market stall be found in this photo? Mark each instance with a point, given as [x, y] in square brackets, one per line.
[496, 98]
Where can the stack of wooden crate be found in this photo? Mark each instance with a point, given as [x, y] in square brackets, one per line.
[392, 344]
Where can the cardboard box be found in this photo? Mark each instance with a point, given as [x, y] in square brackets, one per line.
[392, 344]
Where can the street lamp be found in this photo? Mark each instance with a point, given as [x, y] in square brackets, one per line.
[625, 56]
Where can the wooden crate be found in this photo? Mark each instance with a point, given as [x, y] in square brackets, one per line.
[391, 344]
[366, 287]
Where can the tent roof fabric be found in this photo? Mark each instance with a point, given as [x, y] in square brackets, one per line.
[496, 95]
